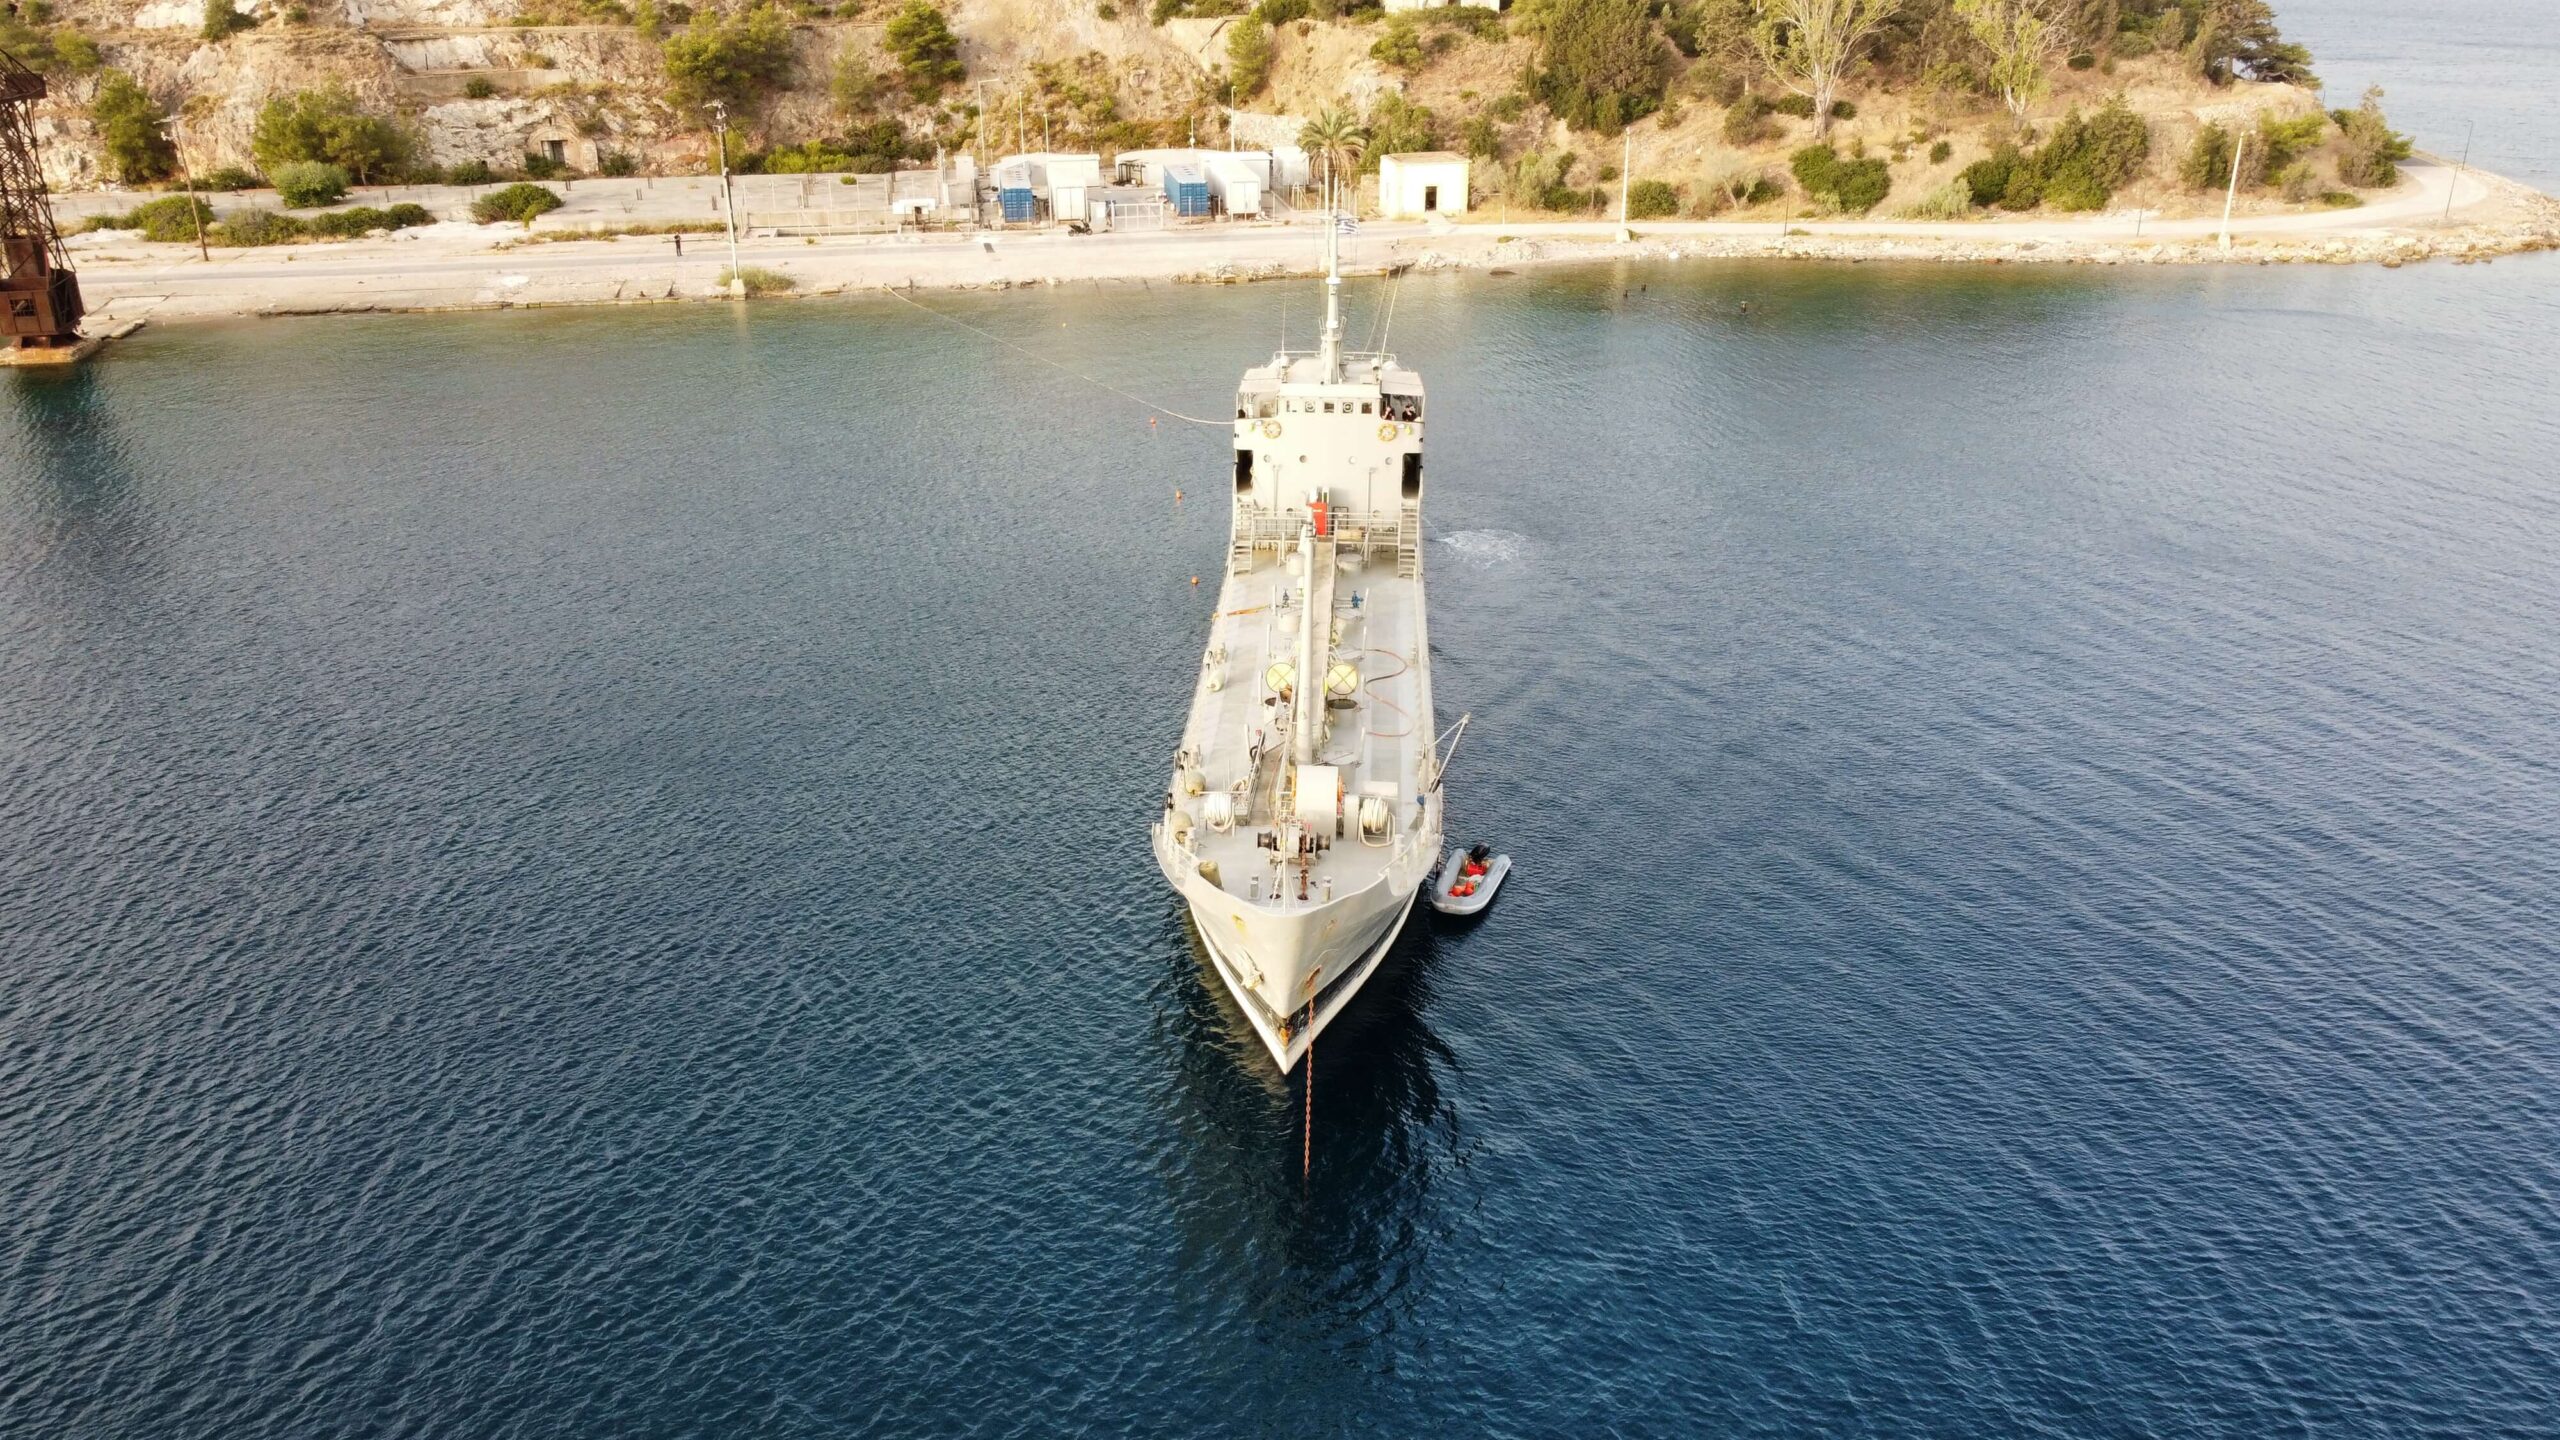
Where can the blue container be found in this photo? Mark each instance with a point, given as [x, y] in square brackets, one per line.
[1015, 198]
[1186, 189]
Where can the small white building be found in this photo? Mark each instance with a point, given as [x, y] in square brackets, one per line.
[1237, 182]
[1423, 182]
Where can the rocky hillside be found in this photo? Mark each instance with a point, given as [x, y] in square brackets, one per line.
[1929, 113]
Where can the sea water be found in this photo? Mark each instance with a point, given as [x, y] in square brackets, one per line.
[585, 873]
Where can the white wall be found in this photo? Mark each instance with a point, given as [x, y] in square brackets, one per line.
[1404, 186]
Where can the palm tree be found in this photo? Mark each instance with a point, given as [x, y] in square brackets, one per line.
[1339, 137]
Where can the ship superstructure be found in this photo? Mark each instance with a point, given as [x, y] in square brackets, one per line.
[1304, 812]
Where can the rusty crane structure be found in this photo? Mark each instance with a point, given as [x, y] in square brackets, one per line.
[40, 305]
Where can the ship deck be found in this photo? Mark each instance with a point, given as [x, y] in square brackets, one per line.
[1239, 736]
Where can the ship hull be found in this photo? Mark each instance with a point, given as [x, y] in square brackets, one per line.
[1288, 1038]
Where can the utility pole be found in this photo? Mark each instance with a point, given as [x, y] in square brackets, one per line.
[195, 211]
[1626, 177]
[729, 201]
[2233, 196]
[2469, 128]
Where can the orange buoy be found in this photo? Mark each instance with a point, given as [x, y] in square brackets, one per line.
[1195, 579]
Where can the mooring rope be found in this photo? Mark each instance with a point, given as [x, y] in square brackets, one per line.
[1138, 400]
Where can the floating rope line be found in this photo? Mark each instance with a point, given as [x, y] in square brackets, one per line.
[1139, 400]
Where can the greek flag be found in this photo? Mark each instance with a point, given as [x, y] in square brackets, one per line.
[1345, 225]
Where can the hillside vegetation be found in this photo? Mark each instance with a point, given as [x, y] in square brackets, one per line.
[1937, 108]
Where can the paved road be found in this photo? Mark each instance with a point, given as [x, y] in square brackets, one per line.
[459, 265]
[2420, 199]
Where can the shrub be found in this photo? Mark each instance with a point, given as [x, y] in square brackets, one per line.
[261, 227]
[1652, 200]
[1862, 185]
[617, 164]
[168, 220]
[129, 130]
[1815, 168]
[469, 172]
[221, 22]
[2075, 192]
[1801, 107]
[2083, 60]
[538, 165]
[736, 61]
[2340, 199]
[346, 224]
[2079, 168]
[228, 178]
[1600, 65]
[326, 125]
[1856, 186]
[479, 87]
[1951, 201]
[758, 281]
[520, 203]
[2285, 141]
[2094, 156]
[852, 88]
[1940, 152]
[1248, 56]
[1987, 179]
[2207, 164]
[928, 54]
[1739, 189]
[2369, 150]
[74, 52]
[310, 182]
[1746, 121]
[1397, 125]
[1281, 12]
[1400, 44]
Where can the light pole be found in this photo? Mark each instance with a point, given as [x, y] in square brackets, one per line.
[2232, 197]
[728, 200]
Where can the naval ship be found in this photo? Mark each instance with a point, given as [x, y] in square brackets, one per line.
[1303, 817]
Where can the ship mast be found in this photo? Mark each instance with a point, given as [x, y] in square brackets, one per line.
[1332, 354]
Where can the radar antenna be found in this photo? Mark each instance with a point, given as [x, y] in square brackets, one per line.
[40, 305]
